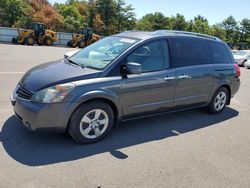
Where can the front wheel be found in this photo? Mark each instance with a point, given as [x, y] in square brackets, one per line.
[81, 43]
[48, 41]
[219, 101]
[29, 41]
[91, 122]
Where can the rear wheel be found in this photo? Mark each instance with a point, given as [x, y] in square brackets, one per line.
[69, 43]
[244, 63]
[91, 122]
[219, 101]
[14, 40]
[29, 40]
[48, 41]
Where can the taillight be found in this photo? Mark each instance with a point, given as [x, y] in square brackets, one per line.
[237, 68]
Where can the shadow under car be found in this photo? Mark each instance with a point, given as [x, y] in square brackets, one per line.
[35, 149]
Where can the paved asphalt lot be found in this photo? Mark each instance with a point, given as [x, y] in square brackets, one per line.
[184, 149]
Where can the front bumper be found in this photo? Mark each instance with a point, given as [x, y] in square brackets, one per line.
[40, 117]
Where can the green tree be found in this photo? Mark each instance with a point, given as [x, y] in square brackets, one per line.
[244, 30]
[125, 16]
[230, 26]
[91, 6]
[70, 11]
[72, 25]
[11, 11]
[200, 25]
[178, 22]
[73, 21]
[152, 22]
[217, 31]
[107, 11]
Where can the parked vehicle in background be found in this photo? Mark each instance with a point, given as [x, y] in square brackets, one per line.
[247, 64]
[234, 51]
[241, 57]
[126, 76]
[35, 34]
[84, 38]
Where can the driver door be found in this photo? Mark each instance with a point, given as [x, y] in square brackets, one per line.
[153, 90]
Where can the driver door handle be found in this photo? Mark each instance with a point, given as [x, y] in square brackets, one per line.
[169, 78]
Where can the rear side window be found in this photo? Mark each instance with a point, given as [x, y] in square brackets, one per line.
[188, 52]
[219, 53]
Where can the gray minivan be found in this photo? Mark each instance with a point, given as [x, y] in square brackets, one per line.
[126, 76]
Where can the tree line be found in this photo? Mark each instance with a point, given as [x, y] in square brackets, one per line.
[108, 17]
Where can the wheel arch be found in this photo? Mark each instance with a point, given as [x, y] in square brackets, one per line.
[105, 96]
[225, 85]
[229, 92]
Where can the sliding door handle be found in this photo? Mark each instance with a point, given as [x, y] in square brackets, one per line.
[184, 76]
[169, 78]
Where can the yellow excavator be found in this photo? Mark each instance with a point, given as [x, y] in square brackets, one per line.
[83, 39]
[35, 33]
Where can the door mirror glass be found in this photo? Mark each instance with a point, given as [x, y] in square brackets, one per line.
[133, 68]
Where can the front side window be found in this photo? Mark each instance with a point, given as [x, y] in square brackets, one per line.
[102, 53]
[188, 51]
[153, 56]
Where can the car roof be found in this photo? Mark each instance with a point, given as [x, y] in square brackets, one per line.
[142, 35]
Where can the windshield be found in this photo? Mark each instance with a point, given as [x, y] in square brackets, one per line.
[103, 52]
[241, 53]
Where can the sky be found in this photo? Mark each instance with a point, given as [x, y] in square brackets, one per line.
[214, 10]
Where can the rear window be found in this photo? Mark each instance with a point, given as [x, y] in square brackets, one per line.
[219, 53]
[188, 52]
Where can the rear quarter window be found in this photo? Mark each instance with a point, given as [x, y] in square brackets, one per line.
[188, 51]
[219, 53]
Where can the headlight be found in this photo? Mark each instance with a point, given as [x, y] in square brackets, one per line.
[53, 94]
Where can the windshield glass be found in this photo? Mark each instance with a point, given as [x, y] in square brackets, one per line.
[241, 53]
[103, 52]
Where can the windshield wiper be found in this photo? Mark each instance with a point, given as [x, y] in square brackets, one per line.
[106, 60]
[74, 63]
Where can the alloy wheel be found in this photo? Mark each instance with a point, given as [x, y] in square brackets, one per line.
[94, 123]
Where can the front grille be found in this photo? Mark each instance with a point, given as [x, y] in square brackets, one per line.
[24, 93]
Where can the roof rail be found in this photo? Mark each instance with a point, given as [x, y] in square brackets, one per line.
[129, 31]
[162, 32]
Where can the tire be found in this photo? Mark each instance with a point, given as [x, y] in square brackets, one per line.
[29, 40]
[219, 101]
[48, 41]
[81, 44]
[243, 64]
[85, 125]
[14, 40]
[69, 43]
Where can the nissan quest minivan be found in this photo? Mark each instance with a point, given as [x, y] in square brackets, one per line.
[126, 76]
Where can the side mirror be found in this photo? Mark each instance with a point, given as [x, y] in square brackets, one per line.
[69, 54]
[133, 68]
[65, 56]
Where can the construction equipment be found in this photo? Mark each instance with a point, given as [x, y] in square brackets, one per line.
[35, 33]
[83, 39]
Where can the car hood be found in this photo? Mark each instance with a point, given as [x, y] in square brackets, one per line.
[53, 73]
